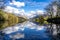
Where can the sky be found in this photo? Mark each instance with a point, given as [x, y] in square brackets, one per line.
[26, 6]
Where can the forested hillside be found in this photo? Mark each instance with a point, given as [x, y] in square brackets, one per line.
[9, 19]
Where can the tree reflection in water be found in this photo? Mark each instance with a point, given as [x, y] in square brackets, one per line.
[54, 27]
[52, 30]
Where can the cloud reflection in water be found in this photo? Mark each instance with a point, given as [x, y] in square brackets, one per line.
[21, 27]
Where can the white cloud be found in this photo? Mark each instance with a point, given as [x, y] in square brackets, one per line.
[40, 12]
[30, 15]
[16, 11]
[34, 13]
[17, 3]
[13, 10]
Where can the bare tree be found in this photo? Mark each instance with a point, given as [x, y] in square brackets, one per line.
[50, 8]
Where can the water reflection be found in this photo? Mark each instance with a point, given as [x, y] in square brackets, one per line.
[30, 31]
[17, 36]
[5, 24]
[54, 30]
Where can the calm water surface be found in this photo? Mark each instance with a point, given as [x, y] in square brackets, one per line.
[26, 31]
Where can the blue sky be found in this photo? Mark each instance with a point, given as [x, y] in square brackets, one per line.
[28, 5]
[35, 4]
